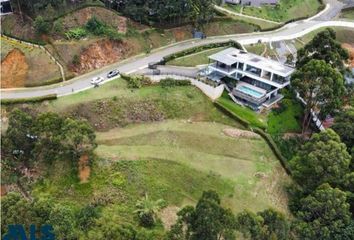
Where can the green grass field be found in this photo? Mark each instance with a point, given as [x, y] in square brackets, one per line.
[349, 14]
[194, 59]
[284, 11]
[287, 120]
[255, 120]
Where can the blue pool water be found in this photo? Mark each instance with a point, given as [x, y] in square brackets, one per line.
[250, 91]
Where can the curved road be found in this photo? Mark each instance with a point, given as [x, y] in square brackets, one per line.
[81, 83]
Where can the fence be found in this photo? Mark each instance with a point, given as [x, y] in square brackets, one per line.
[20, 42]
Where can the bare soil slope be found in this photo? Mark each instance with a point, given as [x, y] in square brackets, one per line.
[14, 69]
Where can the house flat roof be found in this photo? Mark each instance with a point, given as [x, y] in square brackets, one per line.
[230, 56]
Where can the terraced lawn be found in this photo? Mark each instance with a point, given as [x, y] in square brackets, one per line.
[246, 163]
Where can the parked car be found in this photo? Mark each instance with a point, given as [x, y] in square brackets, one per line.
[113, 73]
[97, 80]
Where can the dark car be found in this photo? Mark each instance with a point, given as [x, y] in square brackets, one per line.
[113, 73]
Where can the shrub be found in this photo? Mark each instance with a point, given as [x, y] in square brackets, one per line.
[58, 26]
[41, 26]
[27, 100]
[76, 33]
[76, 60]
[95, 26]
[136, 81]
[169, 82]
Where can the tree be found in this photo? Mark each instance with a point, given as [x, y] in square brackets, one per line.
[323, 159]
[147, 210]
[344, 126]
[78, 138]
[208, 220]
[323, 47]
[202, 12]
[320, 86]
[48, 129]
[16, 149]
[268, 224]
[324, 215]
[41, 26]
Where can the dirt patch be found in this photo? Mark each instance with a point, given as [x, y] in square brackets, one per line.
[237, 133]
[99, 54]
[169, 216]
[14, 69]
[80, 18]
[350, 48]
[84, 169]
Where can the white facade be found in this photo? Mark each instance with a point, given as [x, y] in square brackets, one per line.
[255, 80]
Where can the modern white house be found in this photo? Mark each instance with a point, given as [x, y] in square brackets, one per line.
[253, 80]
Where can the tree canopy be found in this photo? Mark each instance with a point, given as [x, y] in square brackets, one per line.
[321, 87]
[324, 214]
[323, 159]
[344, 127]
[323, 47]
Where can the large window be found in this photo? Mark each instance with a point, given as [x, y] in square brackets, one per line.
[279, 79]
[240, 66]
[253, 70]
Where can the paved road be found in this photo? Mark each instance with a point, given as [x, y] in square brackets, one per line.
[289, 31]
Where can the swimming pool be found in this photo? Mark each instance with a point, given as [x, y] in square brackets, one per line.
[250, 91]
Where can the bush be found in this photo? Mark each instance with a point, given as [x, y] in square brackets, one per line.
[41, 26]
[169, 82]
[95, 26]
[136, 81]
[28, 100]
[76, 33]
[76, 60]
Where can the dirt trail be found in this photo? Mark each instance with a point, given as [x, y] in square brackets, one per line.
[84, 169]
[350, 48]
[14, 69]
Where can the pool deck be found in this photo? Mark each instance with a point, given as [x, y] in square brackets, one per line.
[260, 90]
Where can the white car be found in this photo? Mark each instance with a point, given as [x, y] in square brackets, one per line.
[97, 80]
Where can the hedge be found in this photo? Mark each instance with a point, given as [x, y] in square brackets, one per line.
[37, 42]
[243, 122]
[28, 100]
[48, 82]
[169, 82]
[192, 50]
[274, 148]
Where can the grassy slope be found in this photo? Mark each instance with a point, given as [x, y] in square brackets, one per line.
[194, 59]
[174, 159]
[235, 160]
[245, 113]
[284, 11]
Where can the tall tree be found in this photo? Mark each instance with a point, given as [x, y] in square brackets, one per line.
[208, 220]
[325, 215]
[323, 159]
[323, 47]
[321, 87]
[268, 224]
[202, 12]
[344, 126]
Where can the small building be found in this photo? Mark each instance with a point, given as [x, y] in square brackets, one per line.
[253, 80]
[5, 7]
[253, 3]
